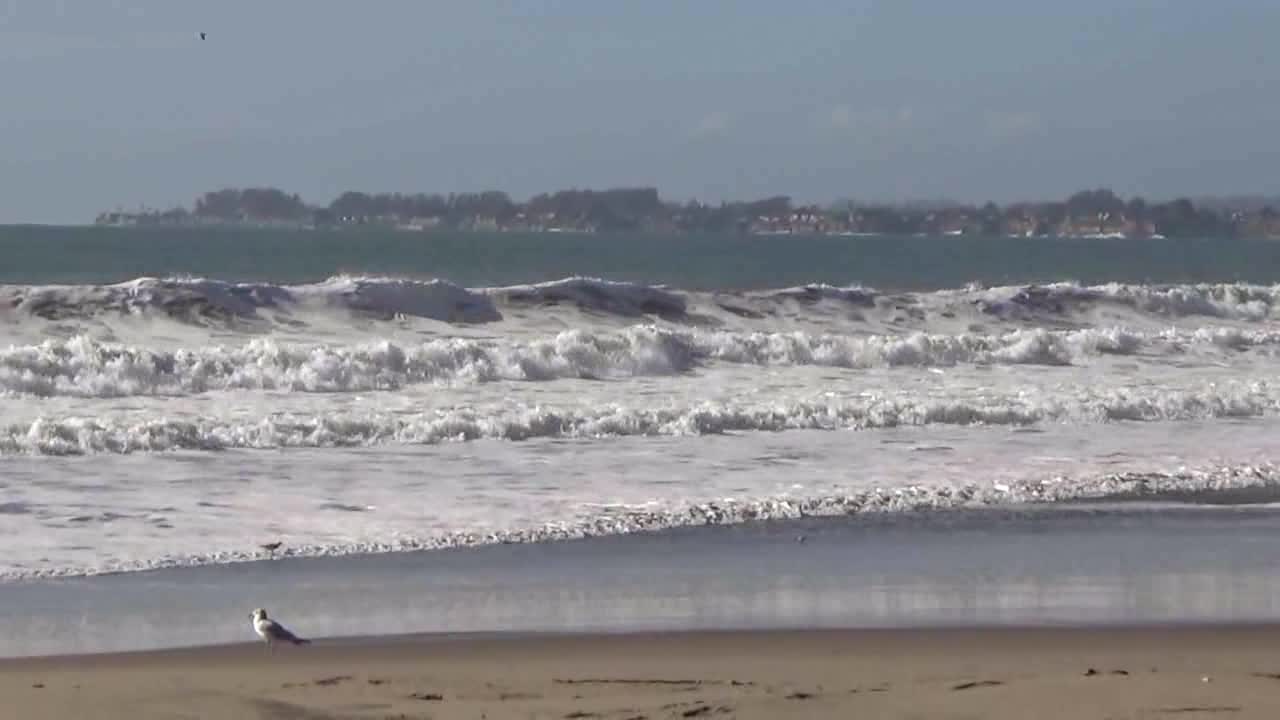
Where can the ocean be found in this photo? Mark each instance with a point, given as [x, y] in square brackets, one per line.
[176, 399]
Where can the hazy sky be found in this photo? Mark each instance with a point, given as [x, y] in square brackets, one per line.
[118, 102]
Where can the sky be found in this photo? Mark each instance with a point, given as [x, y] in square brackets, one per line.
[118, 103]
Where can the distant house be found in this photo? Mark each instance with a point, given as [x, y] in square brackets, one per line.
[419, 224]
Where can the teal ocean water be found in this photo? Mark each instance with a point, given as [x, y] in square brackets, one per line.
[88, 255]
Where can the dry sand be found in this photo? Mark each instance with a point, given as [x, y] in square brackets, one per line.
[1182, 673]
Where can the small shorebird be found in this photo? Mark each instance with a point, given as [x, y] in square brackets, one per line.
[271, 547]
[273, 632]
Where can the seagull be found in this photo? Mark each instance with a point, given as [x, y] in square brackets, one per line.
[273, 632]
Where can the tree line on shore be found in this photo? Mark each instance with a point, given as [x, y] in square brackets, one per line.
[1098, 212]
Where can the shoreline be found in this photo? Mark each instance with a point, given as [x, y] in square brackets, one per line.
[1084, 566]
[389, 641]
[998, 673]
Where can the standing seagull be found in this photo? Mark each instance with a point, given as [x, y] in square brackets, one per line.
[273, 632]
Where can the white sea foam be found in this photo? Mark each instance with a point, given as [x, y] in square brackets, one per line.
[516, 421]
[612, 519]
[85, 367]
[146, 376]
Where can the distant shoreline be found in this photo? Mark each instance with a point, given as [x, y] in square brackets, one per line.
[303, 229]
[1097, 214]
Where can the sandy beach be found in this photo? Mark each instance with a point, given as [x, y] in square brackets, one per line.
[1152, 672]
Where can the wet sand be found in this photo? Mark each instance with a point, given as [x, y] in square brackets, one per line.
[1135, 672]
[1082, 566]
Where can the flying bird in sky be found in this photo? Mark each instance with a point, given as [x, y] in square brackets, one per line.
[201, 36]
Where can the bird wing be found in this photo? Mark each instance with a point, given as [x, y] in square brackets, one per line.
[279, 632]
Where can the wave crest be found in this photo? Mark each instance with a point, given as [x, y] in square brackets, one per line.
[84, 367]
[204, 301]
[85, 435]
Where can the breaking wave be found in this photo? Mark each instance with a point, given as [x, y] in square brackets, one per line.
[88, 368]
[205, 301]
[1217, 300]
[88, 435]
[202, 300]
